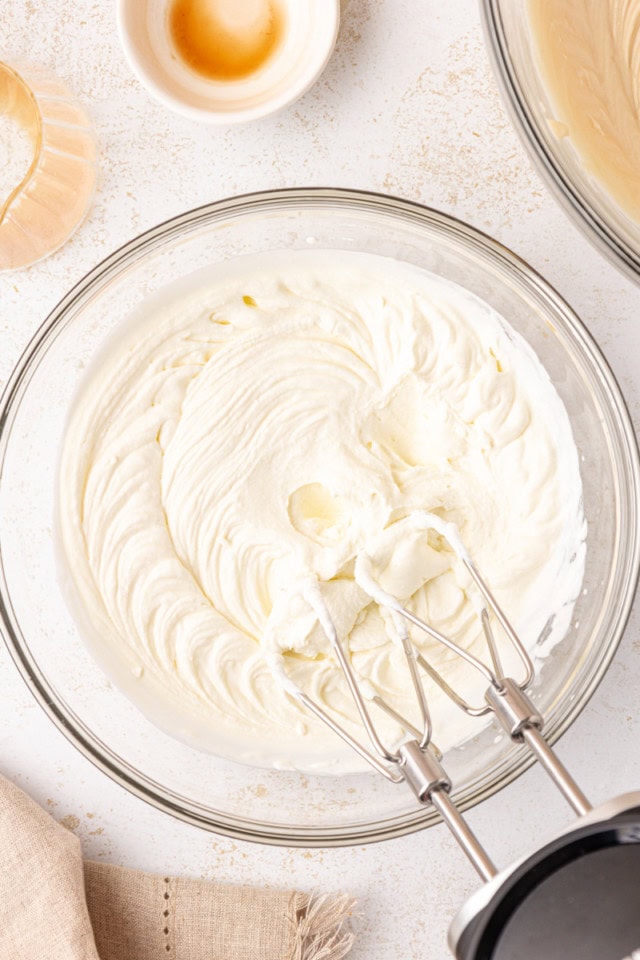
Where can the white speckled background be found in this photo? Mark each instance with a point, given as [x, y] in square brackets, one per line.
[407, 105]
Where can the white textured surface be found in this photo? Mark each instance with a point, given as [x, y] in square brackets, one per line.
[407, 105]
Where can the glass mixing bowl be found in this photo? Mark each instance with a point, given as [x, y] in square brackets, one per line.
[269, 805]
[513, 52]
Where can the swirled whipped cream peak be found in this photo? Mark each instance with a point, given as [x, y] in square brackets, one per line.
[246, 440]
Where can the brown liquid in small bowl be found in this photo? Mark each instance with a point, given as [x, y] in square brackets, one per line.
[226, 39]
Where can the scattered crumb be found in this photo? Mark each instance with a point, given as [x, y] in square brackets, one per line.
[71, 822]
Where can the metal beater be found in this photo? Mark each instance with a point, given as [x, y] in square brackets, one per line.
[578, 898]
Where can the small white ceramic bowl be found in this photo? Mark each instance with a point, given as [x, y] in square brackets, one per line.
[309, 38]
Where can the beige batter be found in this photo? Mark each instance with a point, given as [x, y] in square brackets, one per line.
[590, 56]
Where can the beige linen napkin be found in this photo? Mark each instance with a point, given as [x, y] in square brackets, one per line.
[55, 907]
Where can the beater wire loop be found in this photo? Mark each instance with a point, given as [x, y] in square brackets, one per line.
[416, 761]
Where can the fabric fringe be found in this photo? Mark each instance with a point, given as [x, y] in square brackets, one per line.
[321, 932]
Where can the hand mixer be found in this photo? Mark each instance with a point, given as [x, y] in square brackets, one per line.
[578, 897]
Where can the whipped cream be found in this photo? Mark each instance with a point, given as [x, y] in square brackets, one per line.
[237, 448]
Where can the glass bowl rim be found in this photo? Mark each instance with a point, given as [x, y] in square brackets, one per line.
[574, 201]
[74, 729]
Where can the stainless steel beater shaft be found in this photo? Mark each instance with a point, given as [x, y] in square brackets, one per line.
[421, 769]
[556, 770]
[504, 697]
[428, 780]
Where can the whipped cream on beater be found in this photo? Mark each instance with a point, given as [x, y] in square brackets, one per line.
[249, 438]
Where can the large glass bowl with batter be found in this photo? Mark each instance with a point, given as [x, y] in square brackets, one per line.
[270, 805]
[513, 51]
